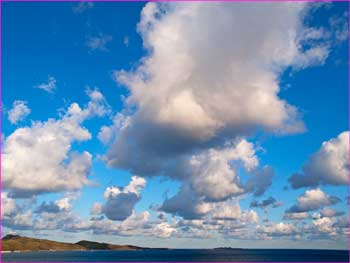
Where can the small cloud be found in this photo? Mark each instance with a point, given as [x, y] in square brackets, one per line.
[120, 200]
[126, 41]
[18, 112]
[98, 42]
[267, 202]
[313, 200]
[82, 7]
[50, 86]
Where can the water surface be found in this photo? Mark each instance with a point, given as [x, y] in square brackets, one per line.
[183, 255]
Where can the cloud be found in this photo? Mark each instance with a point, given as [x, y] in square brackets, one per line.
[8, 205]
[38, 158]
[135, 224]
[18, 112]
[232, 211]
[107, 134]
[217, 88]
[96, 209]
[312, 200]
[81, 7]
[227, 211]
[339, 27]
[329, 165]
[212, 173]
[19, 221]
[121, 200]
[324, 225]
[187, 125]
[329, 212]
[126, 41]
[98, 42]
[164, 230]
[278, 229]
[211, 176]
[260, 181]
[51, 207]
[264, 203]
[185, 204]
[55, 207]
[50, 86]
[296, 216]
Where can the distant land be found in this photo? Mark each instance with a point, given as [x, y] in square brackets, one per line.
[21, 243]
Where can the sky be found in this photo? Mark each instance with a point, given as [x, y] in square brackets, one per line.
[194, 125]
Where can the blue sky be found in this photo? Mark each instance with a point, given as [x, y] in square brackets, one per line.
[84, 48]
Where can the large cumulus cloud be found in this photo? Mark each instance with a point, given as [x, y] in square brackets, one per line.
[206, 83]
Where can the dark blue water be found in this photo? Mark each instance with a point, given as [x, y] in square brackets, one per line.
[183, 255]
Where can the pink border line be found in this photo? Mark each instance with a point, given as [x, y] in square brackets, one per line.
[236, 1]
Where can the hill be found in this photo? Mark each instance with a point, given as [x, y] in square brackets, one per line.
[19, 243]
[90, 245]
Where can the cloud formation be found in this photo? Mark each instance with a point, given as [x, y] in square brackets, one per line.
[19, 111]
[38, 158]
[81, 7]
[188, 125]
[49, 86]
[265, 203]
[121, 200]
[55, 207]
[278, 229]
[98, 42]
[329, 165]
[209, 95]
[312, 200]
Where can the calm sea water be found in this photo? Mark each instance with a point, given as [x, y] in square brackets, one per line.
[183, 255]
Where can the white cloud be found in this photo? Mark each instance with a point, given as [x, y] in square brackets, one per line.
[329, 212]
[96, 209]
[8, 205]
[227, 211]
[339, 27]
[98, 42]
[312, 200]
[49, 86]
[220, 87]
[296, 216]
[223, 86]
[107, 134]
[324, 225]
[164, 230]
[329, 165]
[82, 7]
[278, 229]
[18, 112]
[38, 158]
[212, 175]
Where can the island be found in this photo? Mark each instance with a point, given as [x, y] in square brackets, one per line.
[21, 243]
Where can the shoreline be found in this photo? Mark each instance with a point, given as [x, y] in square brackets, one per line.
[213, 249]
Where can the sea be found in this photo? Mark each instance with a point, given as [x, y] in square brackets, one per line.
[184, 255]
